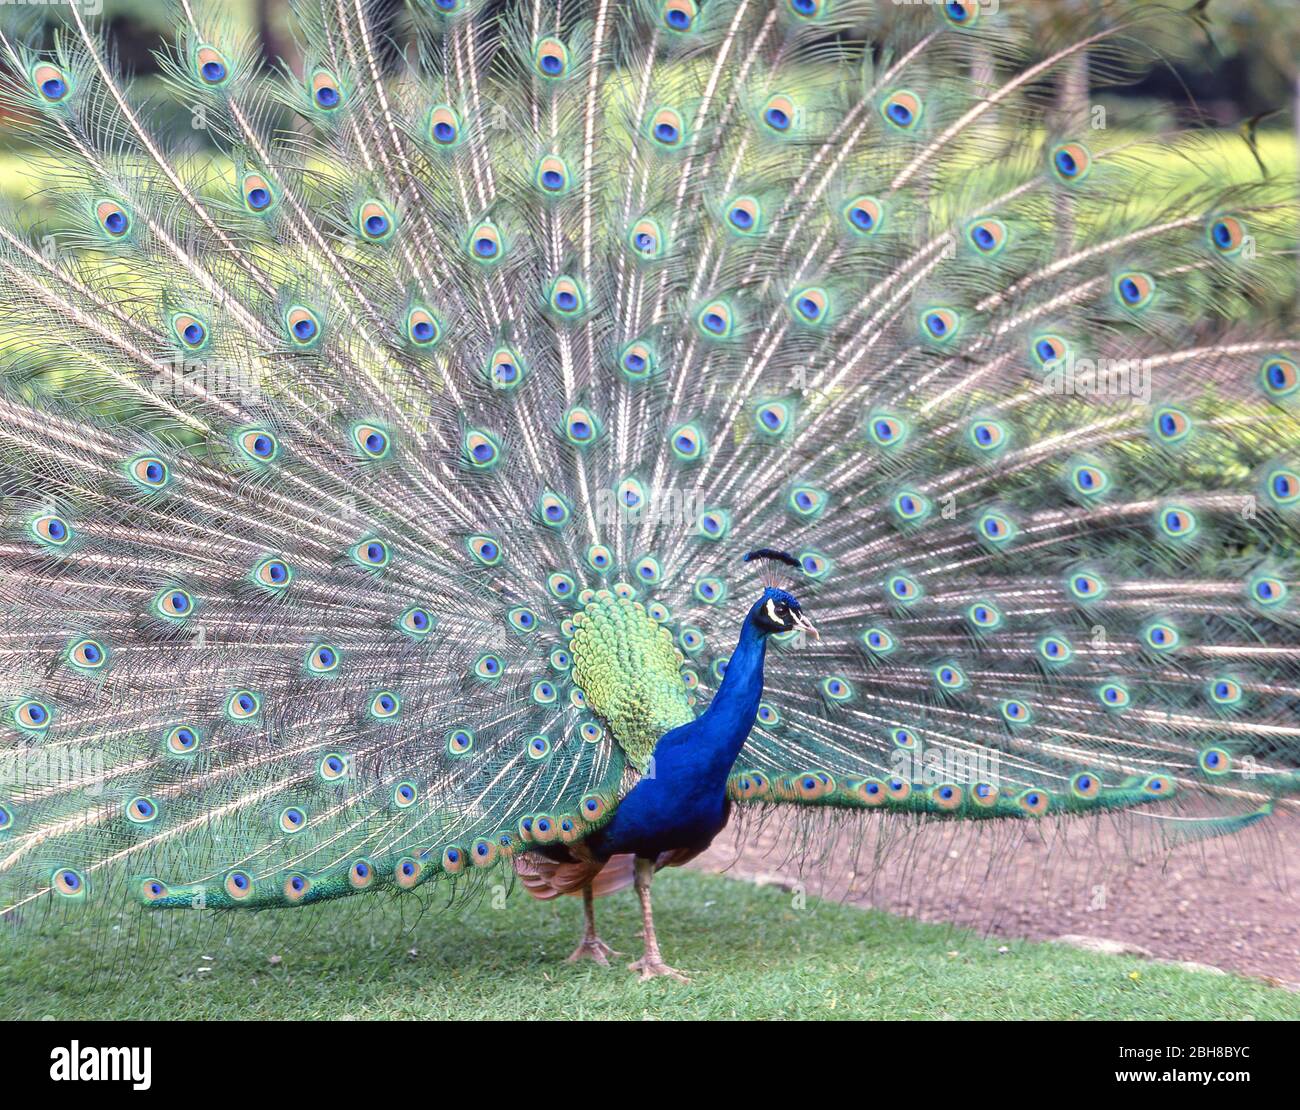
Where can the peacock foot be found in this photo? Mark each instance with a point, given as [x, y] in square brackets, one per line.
[592, 948]
[652, 968]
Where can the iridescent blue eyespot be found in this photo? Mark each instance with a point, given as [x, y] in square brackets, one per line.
[567, 296]
[190, 331]
[814, 564]
[322, 659]
[1161, 636]
[666, 128]
[332, 767]
[1280, 376]
[887, 430]
[374, 221]
[325, 90]
[485, 243]
[1283, 486]
[963, 13]
[807, 502]
[444, 125]
[258, 445]
[713, 524]
[1071, 162]
[581, 428]
[780, 114]
[902, 109]
[647, 570]
[551, 58]
[51, 530]
[710, 590]
[1227, 234]
[372, 553]
[150, 472]
[715, 320]
[949, 676]
[679, 15]
[1016, 712]
[212, 66]
[243, 705]
[864, 215]
[811, 306]
[68, 883]
[636, 361]
[1267, 590]
[1216, 761]
[1135, 290]
[176, 604]
[561, 586]
[182, 740]
[988, 236]
[384, 705]
[1056, 651]
[1114, 696]
[1177, 522]
[32, 715]
[1048, 350]
[489, 666]
[113, 218]
[51, 82]
[878, 641]
[417, 622]
[901, 587]
[88, 655]
[744, 214]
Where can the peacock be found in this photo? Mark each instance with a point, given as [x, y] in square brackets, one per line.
[517, 437]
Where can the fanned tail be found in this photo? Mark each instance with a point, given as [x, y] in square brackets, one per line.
[376, 489]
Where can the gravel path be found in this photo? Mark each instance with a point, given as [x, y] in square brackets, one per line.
[1232, 903]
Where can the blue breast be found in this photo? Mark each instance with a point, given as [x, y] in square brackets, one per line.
[681, 802]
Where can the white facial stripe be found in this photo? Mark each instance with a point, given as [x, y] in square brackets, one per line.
[771, 612]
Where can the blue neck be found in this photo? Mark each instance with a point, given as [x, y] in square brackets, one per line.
[683, 804]
[730, 716]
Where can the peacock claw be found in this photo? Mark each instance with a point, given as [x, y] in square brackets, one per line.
[592, 948]
[653, 968]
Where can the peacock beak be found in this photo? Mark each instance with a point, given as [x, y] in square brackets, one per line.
[804, 625]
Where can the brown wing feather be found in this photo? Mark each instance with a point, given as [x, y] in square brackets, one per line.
[546, 877]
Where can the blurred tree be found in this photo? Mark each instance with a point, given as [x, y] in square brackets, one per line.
[1251, 68]
[1262, 41]
[271, 18]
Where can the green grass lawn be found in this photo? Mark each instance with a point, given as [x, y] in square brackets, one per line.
[752, 954]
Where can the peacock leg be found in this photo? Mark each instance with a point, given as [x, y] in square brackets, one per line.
[652, 963]
[591, 946]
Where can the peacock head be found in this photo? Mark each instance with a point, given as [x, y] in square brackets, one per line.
[779, 611]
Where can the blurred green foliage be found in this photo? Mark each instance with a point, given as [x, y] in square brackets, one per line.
[1247, 62]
